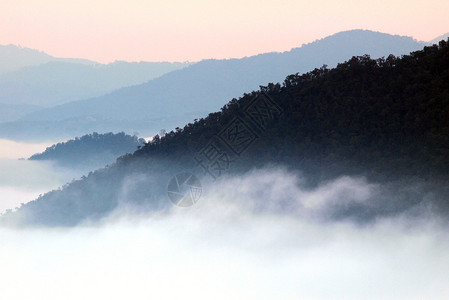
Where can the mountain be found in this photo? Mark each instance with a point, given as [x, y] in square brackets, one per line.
[56, 83]
[12, 112]
[31, 79]
[13, 58]
[90, 151]
[438, 39]
[180, 96]
[384, 119]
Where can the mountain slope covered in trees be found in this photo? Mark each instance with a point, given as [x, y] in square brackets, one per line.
[385, 119]
[92, 150]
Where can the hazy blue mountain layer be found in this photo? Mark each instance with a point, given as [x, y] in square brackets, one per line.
[13, 58]
[180, 96]
[55, 83]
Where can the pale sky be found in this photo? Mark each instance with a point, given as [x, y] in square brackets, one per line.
[175, 30]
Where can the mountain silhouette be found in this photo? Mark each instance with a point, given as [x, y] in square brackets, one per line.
[13, 58]
[55, 83]
[439, 38]
[180, 96]
[90, 151]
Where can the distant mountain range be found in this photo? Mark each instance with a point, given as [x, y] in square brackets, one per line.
[384, 119]
[55, 83]
[31, 80]
[13, 58]
[438, 39]
[183, 95]
[12, 112]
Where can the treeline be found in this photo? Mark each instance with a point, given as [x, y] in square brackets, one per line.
[385, 118]
[91, 149]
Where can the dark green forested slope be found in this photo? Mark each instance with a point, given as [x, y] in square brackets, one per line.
[382, 118]
[91, 149]
[386, 119]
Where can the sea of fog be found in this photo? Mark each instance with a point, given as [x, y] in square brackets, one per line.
[22, 180]
[256, 236]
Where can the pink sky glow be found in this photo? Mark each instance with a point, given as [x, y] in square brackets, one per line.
[175, 30]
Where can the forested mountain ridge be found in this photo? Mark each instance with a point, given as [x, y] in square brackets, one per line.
[394, 109]
[91, 150]
[386, 119]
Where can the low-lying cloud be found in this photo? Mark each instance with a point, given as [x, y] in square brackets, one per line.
[22, 180]
[263, 235]
[15, 150]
